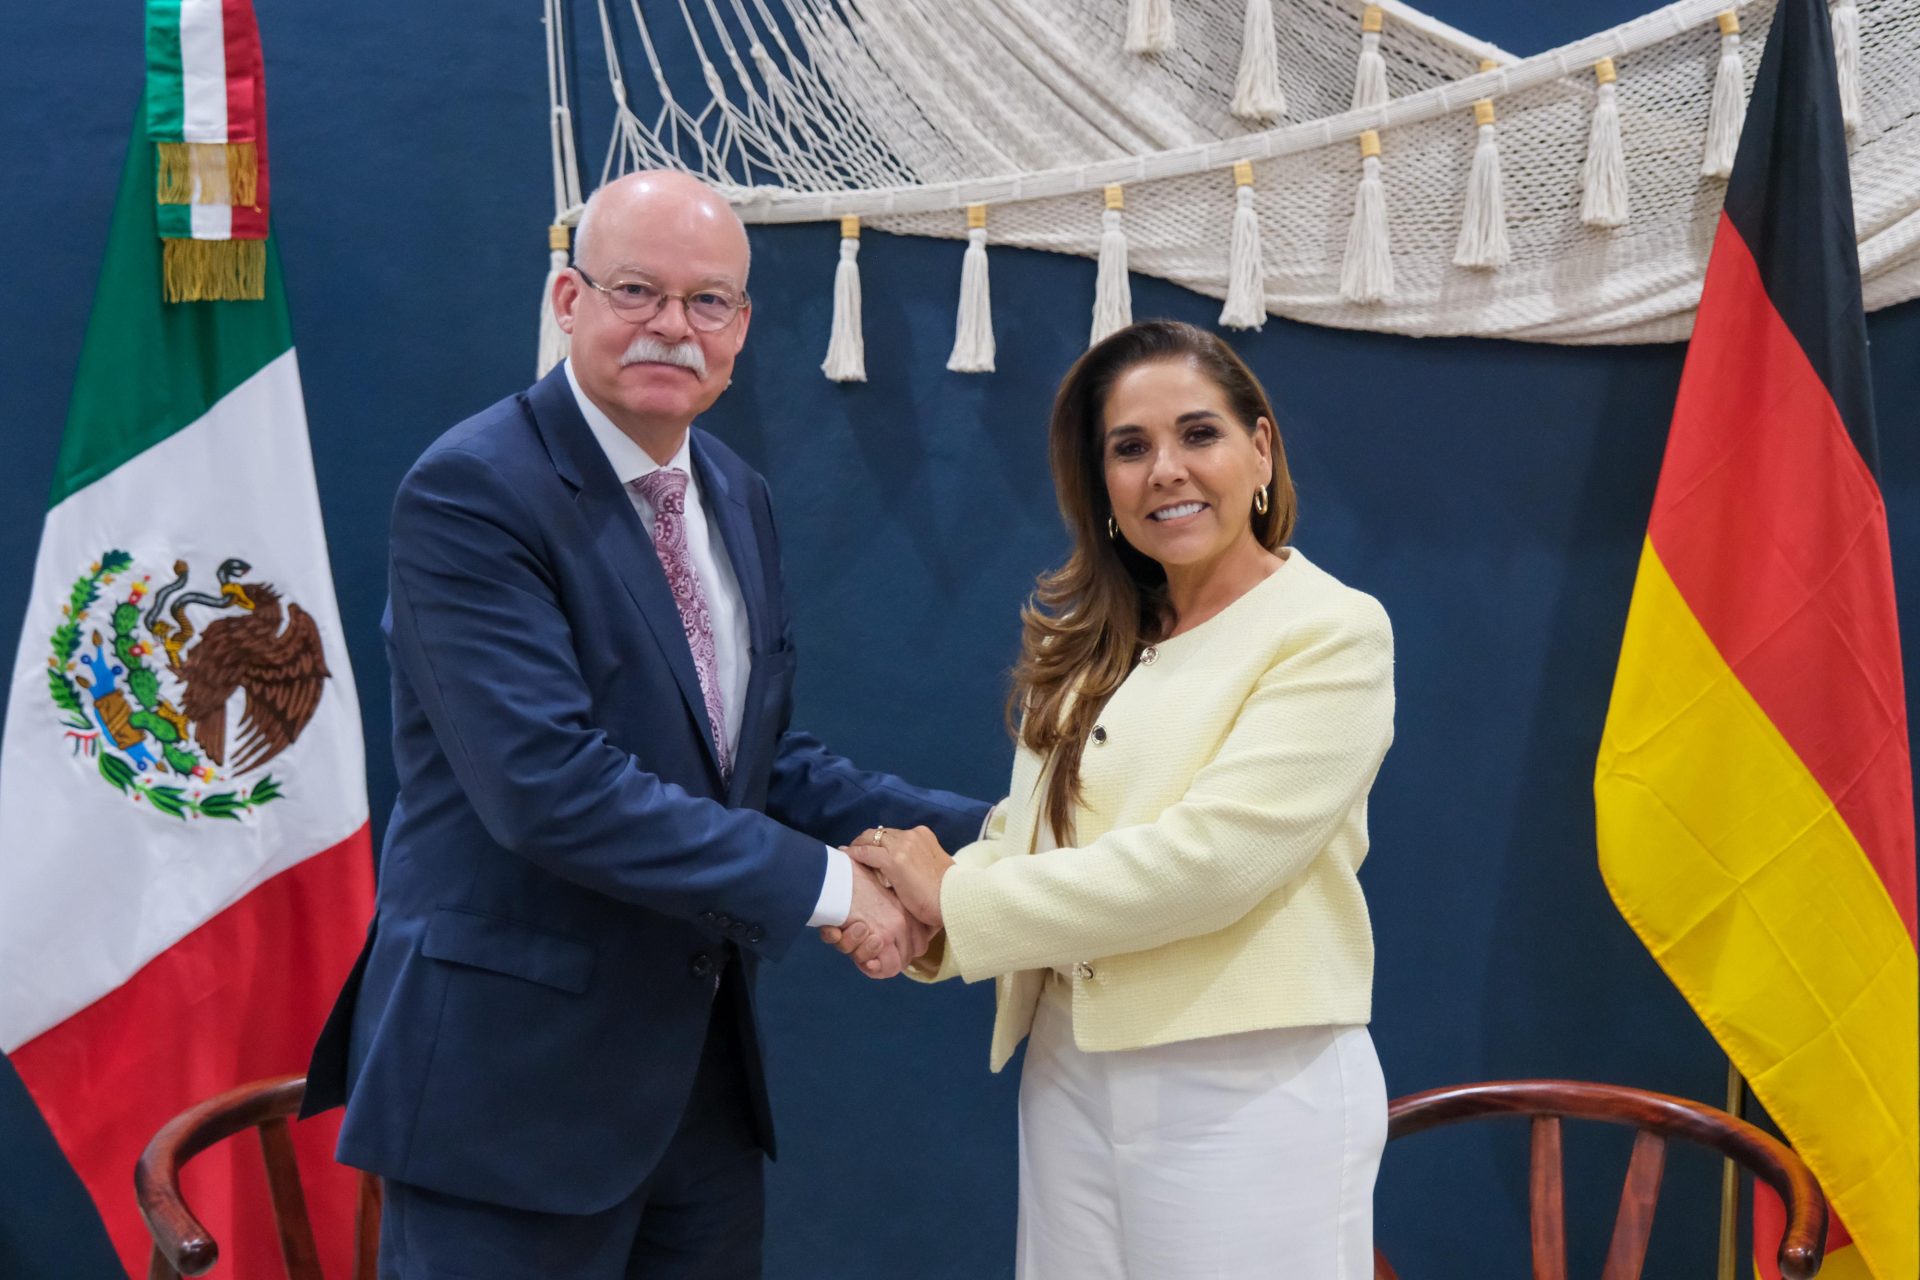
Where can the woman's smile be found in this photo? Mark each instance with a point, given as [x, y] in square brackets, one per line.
[1176, 513]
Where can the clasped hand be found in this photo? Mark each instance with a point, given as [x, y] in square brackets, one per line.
[896, 899]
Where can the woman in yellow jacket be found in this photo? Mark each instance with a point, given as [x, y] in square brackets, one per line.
[1167, 898]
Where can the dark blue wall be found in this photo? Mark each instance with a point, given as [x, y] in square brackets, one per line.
[1492, 495]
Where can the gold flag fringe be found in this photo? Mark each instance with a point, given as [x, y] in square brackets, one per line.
[209, 173]
[214, 270]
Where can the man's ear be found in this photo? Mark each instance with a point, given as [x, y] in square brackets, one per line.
[566, 296]
[740, 332]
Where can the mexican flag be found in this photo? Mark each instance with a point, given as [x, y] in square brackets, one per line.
[185, 873]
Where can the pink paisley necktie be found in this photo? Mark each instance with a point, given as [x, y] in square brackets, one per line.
[666, 492]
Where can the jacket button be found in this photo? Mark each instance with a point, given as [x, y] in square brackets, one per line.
[1099, 735]
[709, 917]
[702, 965]
[725, 922]
[1083, 971]
[756, 935]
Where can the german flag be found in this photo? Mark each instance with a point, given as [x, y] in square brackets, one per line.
[1754, 793]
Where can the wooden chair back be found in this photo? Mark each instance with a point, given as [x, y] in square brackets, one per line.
[181, 1245]
[1658, 1117]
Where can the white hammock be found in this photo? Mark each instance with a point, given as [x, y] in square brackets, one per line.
[906, 114]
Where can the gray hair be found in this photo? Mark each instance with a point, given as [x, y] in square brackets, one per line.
[583, 230]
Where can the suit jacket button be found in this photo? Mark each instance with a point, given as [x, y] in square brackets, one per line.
[756, 935]
[1099, 735]
[702, 965]
[725, 922]
[1083, 971]
[709, 917]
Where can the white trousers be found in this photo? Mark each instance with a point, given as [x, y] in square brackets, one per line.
[1229, 1158]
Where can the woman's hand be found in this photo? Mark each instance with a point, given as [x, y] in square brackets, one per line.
[912, 863]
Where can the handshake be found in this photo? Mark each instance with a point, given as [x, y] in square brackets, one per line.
[896, 899]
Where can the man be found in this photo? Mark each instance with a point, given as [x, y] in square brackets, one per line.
[548, 1049]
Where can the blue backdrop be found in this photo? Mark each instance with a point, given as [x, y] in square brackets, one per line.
[1492, 495]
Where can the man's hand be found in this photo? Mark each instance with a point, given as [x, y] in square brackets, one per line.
[880, 934]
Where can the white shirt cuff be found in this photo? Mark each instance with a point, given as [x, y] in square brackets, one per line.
[836, 892]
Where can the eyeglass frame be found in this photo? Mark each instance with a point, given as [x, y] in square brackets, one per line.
[745, 300]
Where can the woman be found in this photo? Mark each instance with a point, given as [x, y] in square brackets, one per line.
[1203, 712]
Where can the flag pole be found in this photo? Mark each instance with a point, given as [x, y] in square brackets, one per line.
[1730, 1180]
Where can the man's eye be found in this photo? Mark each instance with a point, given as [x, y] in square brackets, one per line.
[635, 292]
[716, 300]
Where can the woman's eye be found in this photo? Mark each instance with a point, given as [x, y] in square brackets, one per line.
[1203, 435]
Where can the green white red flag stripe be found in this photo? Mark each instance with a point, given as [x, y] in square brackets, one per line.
[202, 59]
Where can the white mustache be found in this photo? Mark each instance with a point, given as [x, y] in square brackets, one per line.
[646, 350]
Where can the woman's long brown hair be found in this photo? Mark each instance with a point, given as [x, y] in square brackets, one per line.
[1087, 621]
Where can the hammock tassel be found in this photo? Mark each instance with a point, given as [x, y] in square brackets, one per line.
[1112, 301]
[1149, 26]
[1367, 273]
[1729, 102]
[1846, 57]
[1483, 234]
[1370, 75]
[554, 341]
[1604, 179]
[846, 349]
[973, 329]
[1246, 306]
[1256, 89]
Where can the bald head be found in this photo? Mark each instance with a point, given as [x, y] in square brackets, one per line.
[659, 198]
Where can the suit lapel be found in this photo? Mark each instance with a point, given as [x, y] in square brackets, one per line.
[618, 535]
[724, 499]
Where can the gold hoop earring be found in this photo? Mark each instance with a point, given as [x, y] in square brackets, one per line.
[1113, 530]
[1260, 500]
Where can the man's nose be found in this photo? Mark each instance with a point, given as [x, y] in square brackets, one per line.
[669, 323]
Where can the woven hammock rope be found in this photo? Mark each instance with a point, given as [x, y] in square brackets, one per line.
[903, 113]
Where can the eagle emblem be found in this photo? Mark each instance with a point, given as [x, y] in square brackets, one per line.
[182, 693]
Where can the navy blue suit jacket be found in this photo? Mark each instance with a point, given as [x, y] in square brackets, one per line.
[564, 869]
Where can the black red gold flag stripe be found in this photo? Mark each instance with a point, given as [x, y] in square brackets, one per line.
[1754, 792]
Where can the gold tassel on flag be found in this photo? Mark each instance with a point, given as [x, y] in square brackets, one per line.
[214, 270]
[208, 173]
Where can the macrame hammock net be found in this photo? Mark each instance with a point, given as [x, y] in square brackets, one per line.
[1355, 165]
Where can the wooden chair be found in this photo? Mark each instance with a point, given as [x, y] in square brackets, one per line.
[1658, 1117]
[181, 1246]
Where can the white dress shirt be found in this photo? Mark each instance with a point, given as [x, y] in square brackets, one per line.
[732, 645]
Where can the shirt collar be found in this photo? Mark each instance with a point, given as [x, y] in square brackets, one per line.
[630, 462]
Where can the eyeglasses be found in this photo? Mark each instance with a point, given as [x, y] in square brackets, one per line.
[708, 310]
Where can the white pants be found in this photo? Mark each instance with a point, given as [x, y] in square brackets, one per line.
[1240, 1156]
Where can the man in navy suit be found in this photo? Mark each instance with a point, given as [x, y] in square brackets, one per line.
[548, 1048]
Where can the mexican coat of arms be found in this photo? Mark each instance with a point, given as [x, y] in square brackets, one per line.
[143, 676]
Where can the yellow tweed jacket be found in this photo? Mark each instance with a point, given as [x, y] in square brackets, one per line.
[1211, 887]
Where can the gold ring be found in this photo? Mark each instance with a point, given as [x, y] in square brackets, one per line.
[879, 835]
